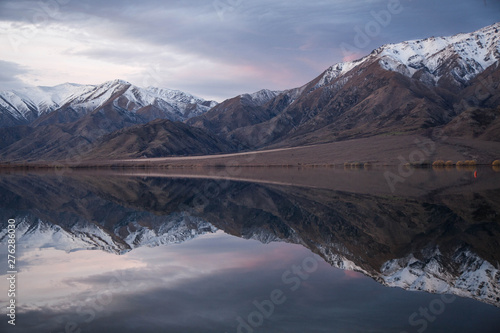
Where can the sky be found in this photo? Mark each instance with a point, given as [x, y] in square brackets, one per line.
[214, 49]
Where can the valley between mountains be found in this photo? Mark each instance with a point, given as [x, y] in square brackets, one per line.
[439, 96]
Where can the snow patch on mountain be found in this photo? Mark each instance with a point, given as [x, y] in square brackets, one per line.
[40, 100]
[100, 94]
[338, 70]
[27, 104]
[473, 53]
[178, 228]
[33, 233]
[260, 97]
[474, 278]
[469, 53]
[336, 255]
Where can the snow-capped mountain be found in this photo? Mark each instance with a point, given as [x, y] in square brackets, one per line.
[458, 58]
[26, 105]
[406, 87]
[260, 97]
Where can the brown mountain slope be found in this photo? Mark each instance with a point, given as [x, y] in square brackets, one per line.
[156, 139]
[68, 141]
[240, 111]
[476, 123]
[364, 102]
[387, 92]
[372, 101]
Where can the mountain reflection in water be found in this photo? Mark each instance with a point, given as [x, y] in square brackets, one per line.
[439, 233]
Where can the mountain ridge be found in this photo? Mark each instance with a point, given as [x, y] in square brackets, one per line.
[403, 87]
[408, 88]
[27, 105]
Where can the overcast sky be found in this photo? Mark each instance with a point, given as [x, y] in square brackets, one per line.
[215, 49]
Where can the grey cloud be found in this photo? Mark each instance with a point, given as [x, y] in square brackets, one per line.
[9, 72]
[301, 38]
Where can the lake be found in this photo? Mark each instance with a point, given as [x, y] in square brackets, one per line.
[251, 250]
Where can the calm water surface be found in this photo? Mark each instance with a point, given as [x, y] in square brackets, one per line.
[268, 250]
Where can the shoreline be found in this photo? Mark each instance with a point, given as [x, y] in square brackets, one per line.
[408, 150]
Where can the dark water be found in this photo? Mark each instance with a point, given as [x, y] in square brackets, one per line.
[278, 250]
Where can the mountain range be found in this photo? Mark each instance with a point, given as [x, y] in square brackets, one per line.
[398, 88]
[67, 102]
[408, 88]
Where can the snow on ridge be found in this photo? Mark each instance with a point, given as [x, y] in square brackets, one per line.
[476, 278]
[338, 70]
[338, 259]
[477, 51]
[100, 94]
[22, 103]
[180, 99]
[172, 101]
[34, 233]
[17, 107]
[177, 228]
[50, 95]
[263, 236]
[262, 96]
[41, 99]
[174, 95]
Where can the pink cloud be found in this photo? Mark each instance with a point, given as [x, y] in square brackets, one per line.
[352, 56]
[353, 275]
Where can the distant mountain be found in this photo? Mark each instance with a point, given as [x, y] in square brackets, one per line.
[63, 122]
[23, 106]
[68, 102]
[398, 88]
[240, 111]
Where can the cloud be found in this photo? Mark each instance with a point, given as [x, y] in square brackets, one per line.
[9, 75]
[202, 43]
